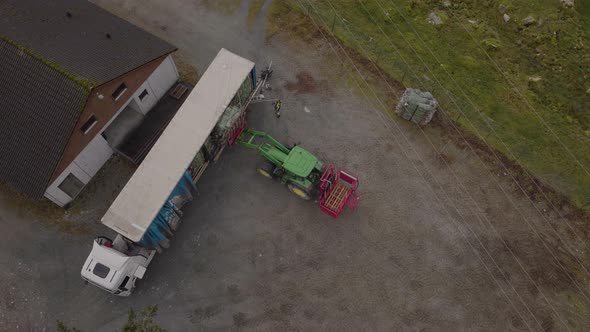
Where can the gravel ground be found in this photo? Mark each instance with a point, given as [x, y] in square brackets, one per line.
[463, 256]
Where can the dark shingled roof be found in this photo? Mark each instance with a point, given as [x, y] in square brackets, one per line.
[38, 109]
[79, 42]
[49, 61]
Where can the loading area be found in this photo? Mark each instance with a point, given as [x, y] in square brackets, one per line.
[137, 142]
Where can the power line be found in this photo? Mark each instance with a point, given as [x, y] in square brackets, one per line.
[521, 94]
[481, 136]
[335, 11]
[508, 172]
[532, 228]
[529, 224]
[432, 190]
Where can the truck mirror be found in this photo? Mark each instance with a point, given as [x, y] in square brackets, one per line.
[140, 272]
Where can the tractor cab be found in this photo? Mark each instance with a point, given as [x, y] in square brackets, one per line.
[296, 167]
[301, 162]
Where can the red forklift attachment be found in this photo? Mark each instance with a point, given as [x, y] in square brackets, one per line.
[338, 190]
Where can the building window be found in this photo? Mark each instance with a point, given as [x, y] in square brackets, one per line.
[143, 94]
[119, 91]
[71, 185]
[88, 125]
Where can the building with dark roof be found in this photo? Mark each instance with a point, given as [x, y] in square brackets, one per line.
[71, 73]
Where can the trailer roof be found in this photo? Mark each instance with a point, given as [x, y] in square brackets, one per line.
[133, 211]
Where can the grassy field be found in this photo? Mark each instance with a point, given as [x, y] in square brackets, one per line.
[524, 88]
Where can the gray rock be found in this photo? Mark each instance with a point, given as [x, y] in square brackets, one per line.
[588, 91]
[568, 3]
[434, 19]
[535, 78]
[529, 20]
[447, 3]
[417, 106]
[506, 18]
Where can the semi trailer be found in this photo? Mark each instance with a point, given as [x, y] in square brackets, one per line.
[148, 210]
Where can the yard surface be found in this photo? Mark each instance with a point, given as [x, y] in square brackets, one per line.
[523, 86]
[442, 239]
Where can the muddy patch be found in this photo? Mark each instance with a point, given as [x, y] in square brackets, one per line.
[443, 159]
[517, 323]
[212, 240]
[206, 312]
[240, 319]
[305, 83]
[234, 293]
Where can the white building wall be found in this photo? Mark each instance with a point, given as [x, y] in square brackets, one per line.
[97, 152]
[84, 167]
[94, 155]
[163, 77]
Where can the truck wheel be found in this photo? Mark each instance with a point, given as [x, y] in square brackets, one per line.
[299, 191]
[267, 170]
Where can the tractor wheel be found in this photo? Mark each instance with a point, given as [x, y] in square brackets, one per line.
[267, 170]
[299, 191]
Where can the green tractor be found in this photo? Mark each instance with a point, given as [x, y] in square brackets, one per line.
[304, 175]
[296, 167]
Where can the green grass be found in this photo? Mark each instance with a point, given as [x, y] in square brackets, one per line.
[556, 49]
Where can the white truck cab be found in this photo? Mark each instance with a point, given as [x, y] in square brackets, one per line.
[115, 265]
